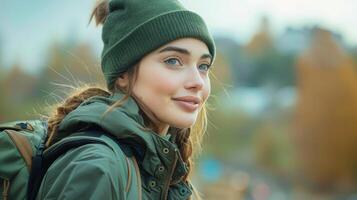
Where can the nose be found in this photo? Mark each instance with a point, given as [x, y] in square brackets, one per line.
[194, 80]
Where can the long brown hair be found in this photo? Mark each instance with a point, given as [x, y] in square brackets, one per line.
[188, 140]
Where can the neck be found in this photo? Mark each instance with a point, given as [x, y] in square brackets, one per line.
[162, 129]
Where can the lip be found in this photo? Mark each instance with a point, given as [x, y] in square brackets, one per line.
[188, 103]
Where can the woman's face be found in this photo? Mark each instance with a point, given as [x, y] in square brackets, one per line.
[173, 82]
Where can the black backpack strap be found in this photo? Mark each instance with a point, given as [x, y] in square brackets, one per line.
[43, 159]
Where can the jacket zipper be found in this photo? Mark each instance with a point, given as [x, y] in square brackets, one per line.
[166, 188]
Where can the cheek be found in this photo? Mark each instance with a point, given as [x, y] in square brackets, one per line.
[164, 84]
[156, 87]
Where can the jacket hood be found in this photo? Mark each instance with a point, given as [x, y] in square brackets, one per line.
[126, 124]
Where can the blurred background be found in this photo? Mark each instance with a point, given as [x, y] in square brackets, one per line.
[283, 110]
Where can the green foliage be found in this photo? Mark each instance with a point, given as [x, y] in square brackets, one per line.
[264, 142]
[24, 96]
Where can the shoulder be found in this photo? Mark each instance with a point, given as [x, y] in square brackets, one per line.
[99, 148]
[85, 167]
[99, 155]
[106, 156]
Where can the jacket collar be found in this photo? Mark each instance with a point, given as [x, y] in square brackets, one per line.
[126, 123]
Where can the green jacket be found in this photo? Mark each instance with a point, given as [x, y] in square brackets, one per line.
[97, 171]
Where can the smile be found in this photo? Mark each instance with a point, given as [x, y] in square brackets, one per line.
[188, 106]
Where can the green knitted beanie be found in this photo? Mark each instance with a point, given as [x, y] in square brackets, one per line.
[134, 28]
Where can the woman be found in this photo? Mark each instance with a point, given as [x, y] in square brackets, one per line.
[155, 61]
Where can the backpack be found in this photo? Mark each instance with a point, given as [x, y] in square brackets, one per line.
[23, 162]
[19, 142]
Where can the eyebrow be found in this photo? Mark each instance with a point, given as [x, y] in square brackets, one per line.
[183, 51]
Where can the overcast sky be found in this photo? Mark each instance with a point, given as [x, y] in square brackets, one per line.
[27, 27]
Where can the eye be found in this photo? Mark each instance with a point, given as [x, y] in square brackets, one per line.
[172, 61]
[204, 67]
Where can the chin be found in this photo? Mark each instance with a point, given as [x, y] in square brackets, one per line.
[184, 122]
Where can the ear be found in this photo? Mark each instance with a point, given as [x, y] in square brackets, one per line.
[122, 81]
